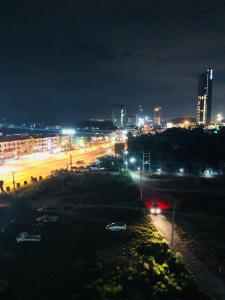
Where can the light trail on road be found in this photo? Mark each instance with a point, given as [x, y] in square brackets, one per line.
[42, 164]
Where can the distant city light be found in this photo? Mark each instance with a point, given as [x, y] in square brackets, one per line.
[159, 171]
[208, 173]
[132, 160]
[68, 131]
[186, 123]
[141, 122]
[219, 117]
[211, 74]
[169, 125]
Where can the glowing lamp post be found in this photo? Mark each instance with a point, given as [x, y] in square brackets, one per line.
[132, 160]
[219, 118]
[125, 162]
[69, 132]
[181, 171]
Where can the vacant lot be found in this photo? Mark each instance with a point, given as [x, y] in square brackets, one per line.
[77, 258]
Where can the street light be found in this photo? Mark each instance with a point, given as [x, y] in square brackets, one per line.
[132, 160]
[159, 171]
[181, 171]
[70, 132]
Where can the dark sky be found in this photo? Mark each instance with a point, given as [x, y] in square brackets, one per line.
[72, 59]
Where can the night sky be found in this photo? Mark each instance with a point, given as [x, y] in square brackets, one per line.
[68, 60]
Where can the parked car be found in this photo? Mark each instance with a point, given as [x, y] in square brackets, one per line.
[25, 237]
[116, 226]
[47, 219]
[47, 209]
[155, 210]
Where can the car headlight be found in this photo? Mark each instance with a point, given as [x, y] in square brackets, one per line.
[152, 210]
[158, 210]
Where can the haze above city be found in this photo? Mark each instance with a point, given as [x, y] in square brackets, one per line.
[69, 61]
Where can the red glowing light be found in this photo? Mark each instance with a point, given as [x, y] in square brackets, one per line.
[161, 204]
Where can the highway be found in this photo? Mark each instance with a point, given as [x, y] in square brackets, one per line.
[41, 164]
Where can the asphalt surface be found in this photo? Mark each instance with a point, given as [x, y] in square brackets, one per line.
[207, 279]
[41, 164]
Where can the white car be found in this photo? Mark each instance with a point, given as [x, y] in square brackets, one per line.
[47, 218]
[46, 209]
[116, 226]
[155, 210]
[25, 237]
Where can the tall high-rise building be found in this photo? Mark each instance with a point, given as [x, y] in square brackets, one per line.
[157, 116]
[204, 100]
[119, 116]
[139, 117]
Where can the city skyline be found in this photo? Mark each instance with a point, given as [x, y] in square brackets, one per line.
[112, 149]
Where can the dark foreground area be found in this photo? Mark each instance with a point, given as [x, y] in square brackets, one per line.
[77, 258]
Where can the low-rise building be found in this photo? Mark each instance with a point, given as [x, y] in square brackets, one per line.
[16, 145]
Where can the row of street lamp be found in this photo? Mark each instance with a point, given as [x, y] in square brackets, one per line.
[132, 160]
[181, 171]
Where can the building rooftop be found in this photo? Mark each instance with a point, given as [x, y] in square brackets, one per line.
[24, 136]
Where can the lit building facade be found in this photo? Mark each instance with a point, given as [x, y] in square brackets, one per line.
[119, 116]
[16, 146]
[157, 116]
[204, 100]
[131, 121]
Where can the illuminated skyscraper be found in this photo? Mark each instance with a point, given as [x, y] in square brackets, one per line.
[204, 101]
[157, 116]
[119, 116]
[139, 117]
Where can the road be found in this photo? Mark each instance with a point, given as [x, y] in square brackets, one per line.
[207, 279]
[41, 164]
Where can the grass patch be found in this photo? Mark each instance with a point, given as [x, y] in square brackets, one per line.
[78, 258]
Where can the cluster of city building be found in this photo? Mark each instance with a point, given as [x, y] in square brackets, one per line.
[14, 145]
[121, 119]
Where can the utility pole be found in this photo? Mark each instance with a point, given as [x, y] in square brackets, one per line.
[173, 226]
[13, 181]
[125, 161]
[146, 161]
[71, 161]
[71, 158]
[143, 161]
[71, 143]
[141, 188]
[126, 165]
